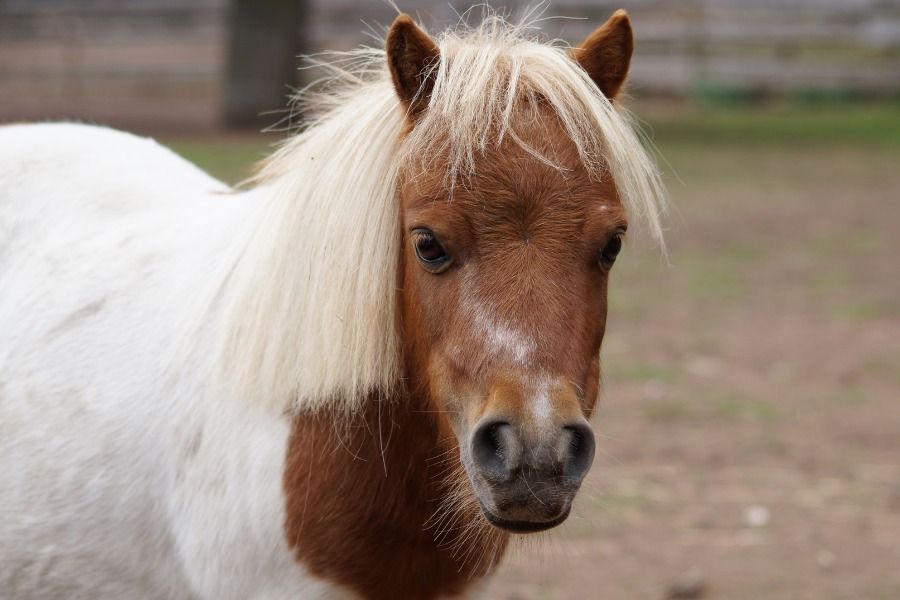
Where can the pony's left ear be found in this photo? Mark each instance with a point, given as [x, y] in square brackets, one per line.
[606, 53]
[412, 58]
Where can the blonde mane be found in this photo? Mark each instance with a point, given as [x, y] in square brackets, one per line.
[310, 307]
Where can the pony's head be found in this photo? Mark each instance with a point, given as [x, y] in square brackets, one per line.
[512, 212]
[489, 177]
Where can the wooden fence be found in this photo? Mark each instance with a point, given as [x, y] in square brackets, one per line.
[160, 63]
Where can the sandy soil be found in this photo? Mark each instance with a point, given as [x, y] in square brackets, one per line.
[750, 427]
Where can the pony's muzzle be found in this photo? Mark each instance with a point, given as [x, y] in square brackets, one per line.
[526, 482]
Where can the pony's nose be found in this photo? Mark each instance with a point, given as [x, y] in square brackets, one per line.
[496, 450]
[501, 452]
[578, 455]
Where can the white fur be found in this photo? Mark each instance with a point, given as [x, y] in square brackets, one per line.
[503, 339]
[541, 403]
[157, 327]
[500, 339]
[123, 475]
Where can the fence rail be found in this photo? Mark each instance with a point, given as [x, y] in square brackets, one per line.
[161, 62]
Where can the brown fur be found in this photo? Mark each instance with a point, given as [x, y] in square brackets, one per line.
[411, 53]
[529, 236]
[360, 500]
[364, 505]
[606, 54]
[382, 504]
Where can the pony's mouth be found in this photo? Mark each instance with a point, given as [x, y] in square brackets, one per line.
[524, 526]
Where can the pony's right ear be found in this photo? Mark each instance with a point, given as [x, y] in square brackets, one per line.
[412, 58]
[606, 54]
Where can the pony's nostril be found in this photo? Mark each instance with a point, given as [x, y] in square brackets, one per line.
[494, 449]
[580, 453]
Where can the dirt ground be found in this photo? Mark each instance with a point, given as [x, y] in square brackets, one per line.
[749, 434]
[750, 425]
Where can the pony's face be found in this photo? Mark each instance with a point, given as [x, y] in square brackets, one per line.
[504, 287]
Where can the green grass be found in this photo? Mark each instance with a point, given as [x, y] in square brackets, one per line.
[731, 407]
[830, 281]
[715, 405]
[716, 276]
[886, 368]
[865, 310]
[850, 124]
[668, 411]
[619, 504]
[230, 159]
[852, 395]
[644, 372]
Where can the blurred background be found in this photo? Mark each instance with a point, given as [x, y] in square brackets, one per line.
[750, 424]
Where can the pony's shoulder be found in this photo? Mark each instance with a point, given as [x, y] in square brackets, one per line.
[89, 154]
[65, 134]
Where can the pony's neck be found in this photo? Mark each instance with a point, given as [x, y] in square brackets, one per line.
[365, 502]
[308, 312]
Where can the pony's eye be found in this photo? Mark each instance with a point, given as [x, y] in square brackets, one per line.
[429, 250]
[611, 250]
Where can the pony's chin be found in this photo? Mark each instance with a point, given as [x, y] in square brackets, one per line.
[524, 526]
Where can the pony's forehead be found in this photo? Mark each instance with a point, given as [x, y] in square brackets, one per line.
[498, 93]
[477, 116]
[510, 183]
[492, 85]
[506, 172]
[531, 143]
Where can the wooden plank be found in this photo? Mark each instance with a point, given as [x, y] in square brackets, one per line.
[79, 54]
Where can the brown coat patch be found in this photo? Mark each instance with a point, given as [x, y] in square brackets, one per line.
[606, 54]
[382, 503]
[361, 503]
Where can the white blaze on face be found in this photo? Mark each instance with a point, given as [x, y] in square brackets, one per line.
[540, 401]
[501, 339]
[507, 341]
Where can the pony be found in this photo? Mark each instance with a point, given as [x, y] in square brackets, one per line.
[357, 376]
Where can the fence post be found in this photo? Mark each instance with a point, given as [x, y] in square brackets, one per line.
[264, 39]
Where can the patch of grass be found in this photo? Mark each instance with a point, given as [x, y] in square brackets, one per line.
[228, 159]
[231, 158]
[668, 411]
[883, 368]
[854, 243]
[713, 275]
[718, 406]
[851, 124]
[862, 310]
[832, 280]
[625, 305]
[628, 298]
[850, 395]
[613, 507]
[734, 408]
[742, 254]
[816, 97]
[644, 372]
[722, 96]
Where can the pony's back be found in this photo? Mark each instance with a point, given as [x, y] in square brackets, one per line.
[96, 226]
[78, 268]
[58, 167]
[104, 239]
